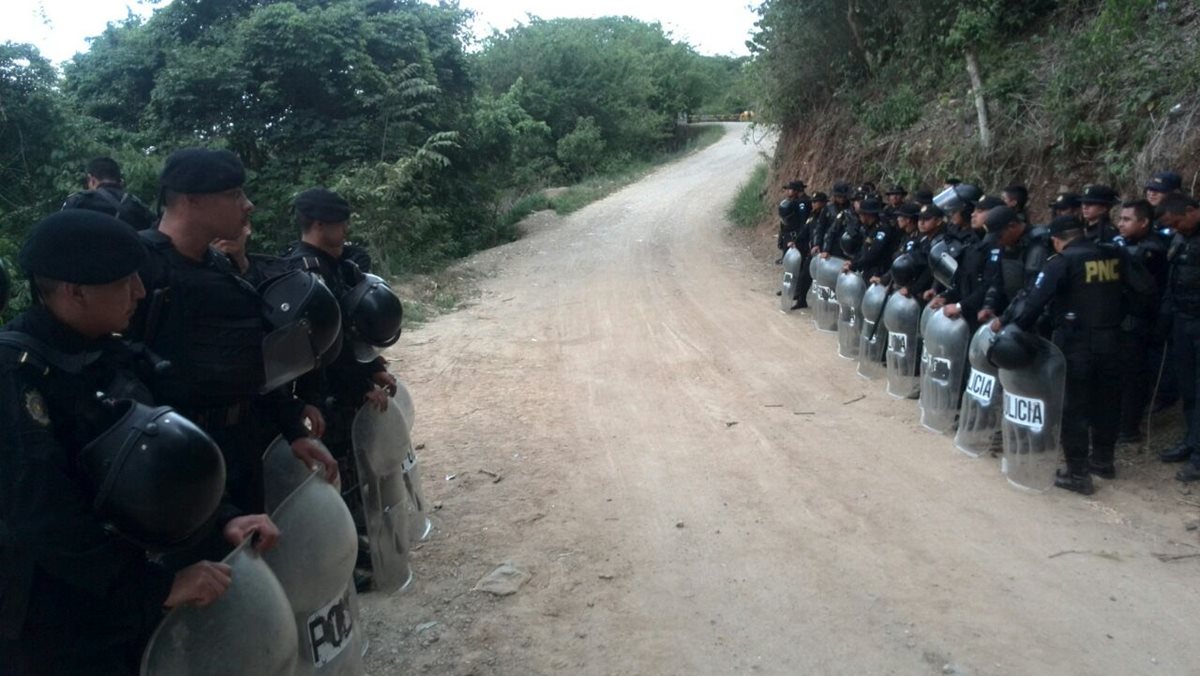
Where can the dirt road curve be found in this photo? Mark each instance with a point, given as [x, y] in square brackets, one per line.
[627, 374]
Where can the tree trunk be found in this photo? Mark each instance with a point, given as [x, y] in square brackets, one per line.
[985, 132]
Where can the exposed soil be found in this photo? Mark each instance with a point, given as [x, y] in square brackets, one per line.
[680, 473]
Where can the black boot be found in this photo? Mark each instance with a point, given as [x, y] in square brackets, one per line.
[1177, 453]
[1189, 473]
[1104, 471]
[799, 304]
[1079, 482]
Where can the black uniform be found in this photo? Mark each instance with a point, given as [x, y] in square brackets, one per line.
[74, 597]
[112, 199]
[339, 387]
[208, 322]
[844, 220]
[793, 219]
[1103, 231]
[1140, 358]
[819, 223]
[874, 259]
[1181, 305]
[979, 280]
[1083, 292]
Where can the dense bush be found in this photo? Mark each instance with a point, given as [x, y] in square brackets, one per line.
[377, 98]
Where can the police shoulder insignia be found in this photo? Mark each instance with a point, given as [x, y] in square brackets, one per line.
[35, 406]
[1041, 276]
[880, 235]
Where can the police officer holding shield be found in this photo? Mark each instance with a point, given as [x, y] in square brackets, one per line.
[209, 323]
[88, 483]
[794, 210]
[1082, 290]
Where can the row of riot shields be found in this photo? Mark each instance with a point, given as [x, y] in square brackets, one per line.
[293, 611]
[923, 354]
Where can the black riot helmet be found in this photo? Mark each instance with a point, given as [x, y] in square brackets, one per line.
[904, 270]
[1013, 348]
[304, 324]
[157, 477]
[373, 316]
[958, 198]
[852, 241]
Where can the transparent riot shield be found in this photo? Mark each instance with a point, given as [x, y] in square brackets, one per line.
[391, 491]
[982, 402]
[850, 291]
[945, 343]
[1032, 425]
[811, 297]
[404, 401]
[902, 319]
[314, 562]
[873, 339]
[826, 313]
[792, 261]
[248, 631]
[282, 473]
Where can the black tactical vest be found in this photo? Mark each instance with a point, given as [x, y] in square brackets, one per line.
[208, 322]
[1184, 275]
[1094, 295]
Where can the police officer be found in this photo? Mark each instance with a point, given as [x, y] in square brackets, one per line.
[1082, 290]
[895, 198]
[209, 323]
[824, 218]
[1181, 316]
[842, 220]
[794, 210]
[1097, 202]
[1065, 204]
[1140, 355]
[78, 595]
[978, 290]
[323, 218]
[880, 239]
[104, 191]
[1160, 185]
[1016, 197]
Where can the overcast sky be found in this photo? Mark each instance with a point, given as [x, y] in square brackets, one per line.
[59, 28]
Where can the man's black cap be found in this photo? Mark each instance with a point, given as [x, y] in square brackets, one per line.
[931, 211]
[1000, 217]
[1165, 181]
[199, 171]
[923, 196]
[1065, 200]
[909, 210]
[870, 205]
[795, 185]
[1099, 194]
[104, 168]
[953, 181]
[820, 197]
[1063, 224]
[80, 246]
[896, 190]
[989, 202]
[324, 205]
[842, 189]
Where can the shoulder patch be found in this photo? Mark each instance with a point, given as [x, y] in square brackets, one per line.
[1040, 278]
[35, 406]
[880, 235]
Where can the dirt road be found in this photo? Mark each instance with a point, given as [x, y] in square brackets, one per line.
[626, 373]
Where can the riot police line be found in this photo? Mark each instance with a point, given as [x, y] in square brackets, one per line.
[203, 458]
[1048, 345]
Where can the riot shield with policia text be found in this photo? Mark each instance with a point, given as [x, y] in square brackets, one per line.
[982, 402]
[1033, 373]
[792, 261]
[873, 338]
[850, 291]
[944, 342]
[248, 631]
[901, 318]
[390, 483]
